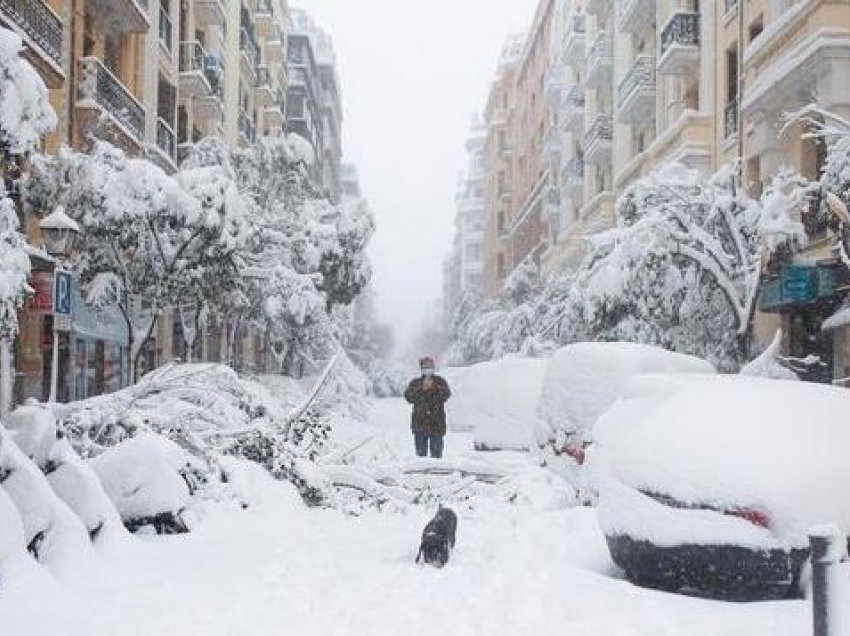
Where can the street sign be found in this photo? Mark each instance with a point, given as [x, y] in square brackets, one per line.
[61, 293]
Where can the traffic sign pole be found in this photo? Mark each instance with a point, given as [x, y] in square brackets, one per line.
[61, 311]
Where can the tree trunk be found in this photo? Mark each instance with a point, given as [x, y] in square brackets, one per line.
[6, 378]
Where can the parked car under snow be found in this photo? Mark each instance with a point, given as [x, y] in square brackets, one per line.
[709, 484]
[582, 380]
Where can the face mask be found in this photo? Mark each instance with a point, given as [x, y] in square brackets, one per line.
[427, 372]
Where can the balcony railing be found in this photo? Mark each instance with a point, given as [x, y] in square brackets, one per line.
[572, 46]
[636, 15]
[264, 78]
[597, 139]
[553, 84]
[166, 140]
[165, 32]
[248, 46]
[572, 106]
[636, 94]
[680, 41]
[195, 78]
[38, 22]
[246, 127]
[192, 56]
[730, 119]
[599, 60]
[99, 85]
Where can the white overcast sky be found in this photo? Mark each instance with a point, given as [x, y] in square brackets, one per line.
[413, 73]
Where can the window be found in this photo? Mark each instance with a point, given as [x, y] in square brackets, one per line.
[732, 75]
[756, 28]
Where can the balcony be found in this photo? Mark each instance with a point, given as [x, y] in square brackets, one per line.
[38, 25]
[597, 7]
[680, 41]
[572, 109]
[553, 84]
[636, 15]
[250, 51]
[572, 46]
[505, 190]
[122, 16]
[597, 140]
[273, 116]
[166, 33]
[572, 177]
[600, 61]
[193, 79]
[274, 46]
[100, 90]
[166, 142]
[263, 21]
[264, 92]
[247, 131]
[636, 94]
[211, 106]
[730, 120]
[209, 13]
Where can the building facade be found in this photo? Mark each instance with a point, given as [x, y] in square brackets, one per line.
[154, 77]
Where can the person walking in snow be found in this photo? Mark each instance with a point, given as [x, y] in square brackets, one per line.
[428, 394]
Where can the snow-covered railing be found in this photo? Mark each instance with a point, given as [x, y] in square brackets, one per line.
[100, 85]
[730, 119]
[166, 140]
[39, 22]
[599, 56]
[681, 30]
[641, 76]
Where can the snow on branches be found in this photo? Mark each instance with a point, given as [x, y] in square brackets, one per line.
[680, 270]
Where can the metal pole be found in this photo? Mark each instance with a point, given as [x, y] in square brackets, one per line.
[54, 363]
[827, 550]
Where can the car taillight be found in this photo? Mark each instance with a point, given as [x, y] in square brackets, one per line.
[756, 517]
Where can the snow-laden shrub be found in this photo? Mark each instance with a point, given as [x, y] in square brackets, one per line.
[11, 525]
[34, 430]
[53, 534]
[146, 477]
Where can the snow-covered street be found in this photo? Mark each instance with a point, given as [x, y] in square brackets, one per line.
[528, 567]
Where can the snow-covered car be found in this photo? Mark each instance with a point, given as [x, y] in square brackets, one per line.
[583, 380]
[709, 484]
[497, 401]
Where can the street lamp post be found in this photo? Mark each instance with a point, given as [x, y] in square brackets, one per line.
[60, 233]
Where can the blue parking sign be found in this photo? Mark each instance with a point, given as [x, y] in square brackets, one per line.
[62, 293]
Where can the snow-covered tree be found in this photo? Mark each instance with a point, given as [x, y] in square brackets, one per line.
[25, 116]
[149, 241]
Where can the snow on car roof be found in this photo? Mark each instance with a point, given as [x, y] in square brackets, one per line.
[734, 441]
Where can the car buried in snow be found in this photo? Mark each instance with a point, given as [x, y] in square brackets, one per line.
[709, 484]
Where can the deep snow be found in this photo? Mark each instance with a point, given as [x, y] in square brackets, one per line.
[530, 567]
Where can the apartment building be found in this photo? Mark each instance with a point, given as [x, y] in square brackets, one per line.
[499, 147]
[314, 99]
[152, 77]
[464, 270]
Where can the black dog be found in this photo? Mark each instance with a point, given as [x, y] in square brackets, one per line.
[437, 537]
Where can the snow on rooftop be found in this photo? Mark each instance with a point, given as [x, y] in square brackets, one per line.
[59, 220]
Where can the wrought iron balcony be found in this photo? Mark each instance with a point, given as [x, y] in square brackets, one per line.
[37, 22]
[636, 94]
[194, 80]
[600, 61]
[166, 140]
[572, 46]
[250, 50]
[209, 13]
[572, 109]
[597, 140]
[730, 119]
[264, 92]
[680, 42]
[246, 128]
[101, 89]
[636, 15]
[165, 31]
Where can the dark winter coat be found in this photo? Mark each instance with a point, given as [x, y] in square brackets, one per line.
[429, 413]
